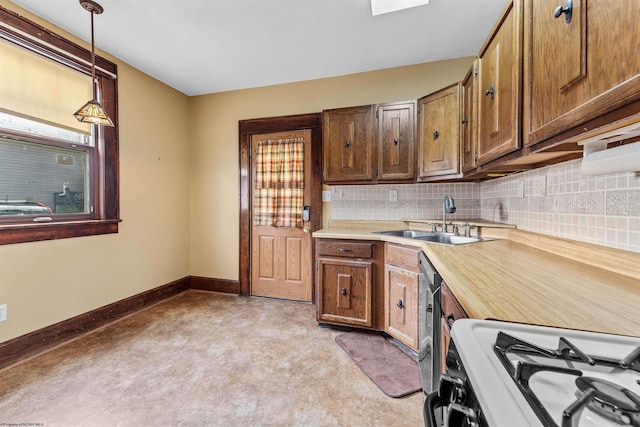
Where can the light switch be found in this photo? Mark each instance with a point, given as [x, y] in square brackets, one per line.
[393, 195]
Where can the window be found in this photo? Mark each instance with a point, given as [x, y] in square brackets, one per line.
[58, 177]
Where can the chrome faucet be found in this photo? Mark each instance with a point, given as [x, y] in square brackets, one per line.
[448, 206]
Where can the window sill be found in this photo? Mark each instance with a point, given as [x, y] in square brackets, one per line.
[22, 233]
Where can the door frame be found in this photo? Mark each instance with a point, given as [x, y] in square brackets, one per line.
[247, 128]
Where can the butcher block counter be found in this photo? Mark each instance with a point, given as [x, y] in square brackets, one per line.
[529, 278]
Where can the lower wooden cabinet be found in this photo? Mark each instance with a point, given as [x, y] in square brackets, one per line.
[401, 294]
[451, 311]
[345, 291]
[348, 283]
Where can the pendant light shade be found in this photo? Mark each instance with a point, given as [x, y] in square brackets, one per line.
[92, 111]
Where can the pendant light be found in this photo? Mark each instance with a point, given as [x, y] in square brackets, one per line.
[92, 111]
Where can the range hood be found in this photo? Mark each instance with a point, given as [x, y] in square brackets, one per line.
[600, 160]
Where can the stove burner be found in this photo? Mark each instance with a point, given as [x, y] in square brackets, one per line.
[602, 397]
[611, 401]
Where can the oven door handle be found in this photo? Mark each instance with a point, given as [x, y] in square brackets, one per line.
[431, 404]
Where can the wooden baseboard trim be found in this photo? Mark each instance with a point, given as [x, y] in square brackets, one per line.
[36, 342]
[216, 285]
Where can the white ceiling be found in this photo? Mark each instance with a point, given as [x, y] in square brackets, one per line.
[208, 46]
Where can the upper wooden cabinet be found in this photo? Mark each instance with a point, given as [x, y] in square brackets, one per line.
[439, 134]
[347, 148]
[469, 119]
[358, 149]
[499, 86]
[396, 141]
[579, 69]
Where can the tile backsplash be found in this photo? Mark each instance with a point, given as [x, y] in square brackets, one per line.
[556, 200]
[414, 201]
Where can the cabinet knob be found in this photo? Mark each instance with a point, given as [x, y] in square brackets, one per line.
[465, 121]
[395, 141]
[490, 91]
[399, 304]
[436, 134]
[343, 291]
[450, 319]
[567, 10]
[347, 144]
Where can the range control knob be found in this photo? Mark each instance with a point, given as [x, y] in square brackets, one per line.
[451, 389]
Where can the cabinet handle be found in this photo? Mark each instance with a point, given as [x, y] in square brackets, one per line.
[490, 92]
[399, 304]
[436, 134]
[347, 144]
[567, 10]
[465, 121]
[344, 249]
[343, 291]
[450, 319]
[395, 141]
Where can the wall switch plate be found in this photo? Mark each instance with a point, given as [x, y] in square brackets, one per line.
[3, 312]
[520, 188]
[393, 195]
[539, 186]
[326, 196]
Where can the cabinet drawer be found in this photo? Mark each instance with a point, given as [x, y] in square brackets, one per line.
[345, 248]
[403, 257]
[451, 308]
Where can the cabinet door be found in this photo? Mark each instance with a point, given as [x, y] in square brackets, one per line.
[578, 70]
[396, 141]
[347, 144]
[445, 337]
[499, 85]
[345, 291]
[451, 311]
[401, 299]
[438, 133]
[468, 119]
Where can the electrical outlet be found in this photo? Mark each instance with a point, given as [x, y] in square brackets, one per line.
[393, 195]
[539, 185]
[3, 312]
[326, 196]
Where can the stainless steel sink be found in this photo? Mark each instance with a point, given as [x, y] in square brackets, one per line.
[409, 234]
[434, 237]
[448, 239]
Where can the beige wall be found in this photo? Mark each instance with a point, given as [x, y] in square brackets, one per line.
[46, 282]
[214, 155]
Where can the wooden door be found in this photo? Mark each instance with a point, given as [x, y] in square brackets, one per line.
[468, 121]
[401, 298]
[345, 291]
[578, 70]
[281, 257]
[396, 141]
[347, 148]
[438, 133]
[499, 85]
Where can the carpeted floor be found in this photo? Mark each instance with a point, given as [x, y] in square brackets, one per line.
[203, 359]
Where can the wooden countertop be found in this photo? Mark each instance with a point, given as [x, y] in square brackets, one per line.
[507, 279]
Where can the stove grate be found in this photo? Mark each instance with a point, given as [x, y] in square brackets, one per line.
[523, 371]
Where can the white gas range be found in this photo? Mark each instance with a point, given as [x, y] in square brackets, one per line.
[517, 375]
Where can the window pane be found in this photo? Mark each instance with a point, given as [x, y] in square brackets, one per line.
[34, 177]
